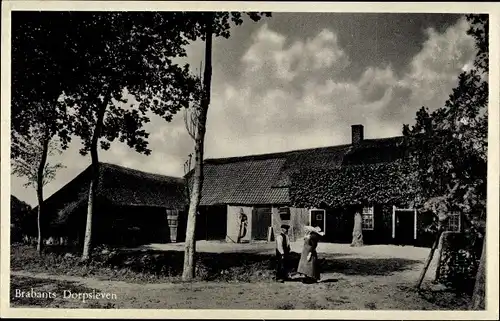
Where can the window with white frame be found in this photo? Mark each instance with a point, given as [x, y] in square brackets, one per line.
[317, 218]
[453, 222]
[367, 218]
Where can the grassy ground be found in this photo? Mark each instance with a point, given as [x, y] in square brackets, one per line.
[365, 278]
[150, 266]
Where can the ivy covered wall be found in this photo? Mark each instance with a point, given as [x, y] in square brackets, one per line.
[382, 183]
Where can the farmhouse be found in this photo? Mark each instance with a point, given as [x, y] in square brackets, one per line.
[132, 207]
[320, 186]
[247, 198]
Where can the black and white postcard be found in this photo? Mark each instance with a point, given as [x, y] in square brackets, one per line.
[249, 160]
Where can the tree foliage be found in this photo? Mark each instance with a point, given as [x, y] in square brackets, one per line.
[459, 262]
[36, 112]
[194, 22]
[449, 145]
[37, 79]
[124, 61]
[132, 56]
[480, 31]
[40, 124]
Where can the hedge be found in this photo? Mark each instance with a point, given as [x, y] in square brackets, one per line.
[459, 261]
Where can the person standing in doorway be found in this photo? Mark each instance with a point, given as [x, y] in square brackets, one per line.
[282, 254]
[243, 226]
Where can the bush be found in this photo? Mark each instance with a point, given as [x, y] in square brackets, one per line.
[144, 266]
[459, 261]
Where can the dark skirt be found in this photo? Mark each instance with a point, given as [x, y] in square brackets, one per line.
[309, 268]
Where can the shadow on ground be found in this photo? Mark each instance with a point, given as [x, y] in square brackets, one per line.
[216, 266]
[444, 298]
[160, 265]
[366, 266]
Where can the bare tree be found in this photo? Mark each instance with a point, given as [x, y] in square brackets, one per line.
[191, 116]
[196, 125]
[205, 25]
[29, 160]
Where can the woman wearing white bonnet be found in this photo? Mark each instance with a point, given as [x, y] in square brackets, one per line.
[308, 264]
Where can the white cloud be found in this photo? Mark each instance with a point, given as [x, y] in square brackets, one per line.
[435, 68]
[282, 95]
[289, 96]
[269, 55]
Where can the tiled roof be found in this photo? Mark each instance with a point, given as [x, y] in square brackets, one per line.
[243, 182]
[265, 178]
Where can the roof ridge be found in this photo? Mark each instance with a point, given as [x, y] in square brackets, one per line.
[275, 154]
[266, 156]
[108, 170]
[138, 171]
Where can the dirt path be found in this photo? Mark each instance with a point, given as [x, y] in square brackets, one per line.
[336, 291]
[370, 277]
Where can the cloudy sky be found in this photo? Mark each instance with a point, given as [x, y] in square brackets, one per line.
[298, 81]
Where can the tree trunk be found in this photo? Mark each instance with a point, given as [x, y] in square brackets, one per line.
[94, 179]
[479, 294]
[429, 258]
[39, 192]
[357, 231]
[190, 242]
[440, 254]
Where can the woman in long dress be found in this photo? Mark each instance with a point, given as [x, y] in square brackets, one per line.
[308, 264]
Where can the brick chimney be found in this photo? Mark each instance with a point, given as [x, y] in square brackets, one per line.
[357, 134]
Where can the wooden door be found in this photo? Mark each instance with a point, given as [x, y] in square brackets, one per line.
[261, 220]
[404, 227]
[340, 224]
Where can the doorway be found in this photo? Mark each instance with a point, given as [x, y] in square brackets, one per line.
[404, 226]
[216, 226]
[261, 220]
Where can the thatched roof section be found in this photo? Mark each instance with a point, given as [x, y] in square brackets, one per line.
[125, 186]
[119, 186]
[382, 183]
[19, 212]
[16, 205]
